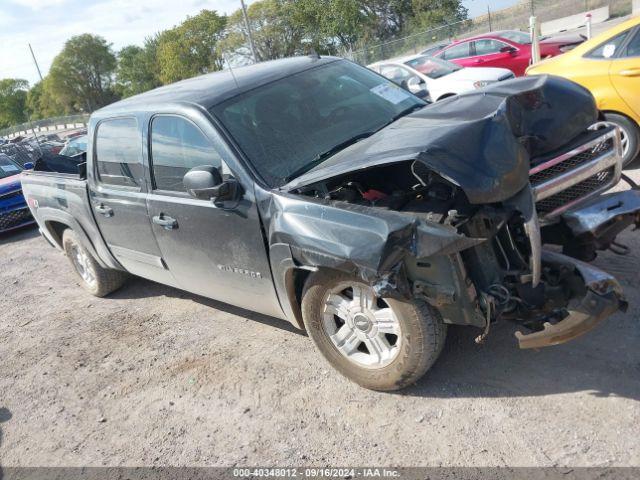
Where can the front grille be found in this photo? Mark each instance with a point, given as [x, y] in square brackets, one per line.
[580, 190]
[564, 181]
[570, 163]
[14, 218]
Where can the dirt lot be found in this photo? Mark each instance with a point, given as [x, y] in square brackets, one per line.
[155, 376]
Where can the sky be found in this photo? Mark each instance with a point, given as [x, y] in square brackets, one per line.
[47, 24]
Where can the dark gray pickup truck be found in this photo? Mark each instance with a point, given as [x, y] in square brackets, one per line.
[314, 190]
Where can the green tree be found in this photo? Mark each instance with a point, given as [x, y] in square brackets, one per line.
[13, 98]
[81, 76]
[432, 13]
[136, 71]
[190, 48]
[276, 33]
[41, 102]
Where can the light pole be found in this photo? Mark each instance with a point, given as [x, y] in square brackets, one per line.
[35, 61]
[249, 36]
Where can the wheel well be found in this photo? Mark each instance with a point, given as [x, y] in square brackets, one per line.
[296, 280]
[57, 229]
[615, 112]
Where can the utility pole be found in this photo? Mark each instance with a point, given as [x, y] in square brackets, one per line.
[249, 36]
[489, 15]
[35, 61]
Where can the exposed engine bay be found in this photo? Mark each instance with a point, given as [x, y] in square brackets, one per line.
[507, 276]
[454, 203]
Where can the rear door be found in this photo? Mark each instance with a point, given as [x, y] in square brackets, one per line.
[118, 198]
[625, 72]
[217, 251]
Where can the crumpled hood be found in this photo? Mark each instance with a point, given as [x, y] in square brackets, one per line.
[482, 141]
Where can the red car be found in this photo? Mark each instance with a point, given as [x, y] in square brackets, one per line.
[507, 49]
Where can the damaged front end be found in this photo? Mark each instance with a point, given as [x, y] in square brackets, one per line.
[459, 218]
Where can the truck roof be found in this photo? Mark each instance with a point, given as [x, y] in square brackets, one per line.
[212, 88]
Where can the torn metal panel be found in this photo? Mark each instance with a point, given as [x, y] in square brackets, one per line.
[598, 213]
[481, 141]
[356, 238]
[602, 296]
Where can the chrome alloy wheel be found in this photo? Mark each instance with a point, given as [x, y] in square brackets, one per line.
[81, 261]
[624, 134]
[361, 326]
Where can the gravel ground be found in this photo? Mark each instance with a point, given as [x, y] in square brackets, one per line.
[155, 376]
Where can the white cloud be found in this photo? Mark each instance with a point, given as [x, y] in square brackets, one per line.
[121, 22]
[39, 4]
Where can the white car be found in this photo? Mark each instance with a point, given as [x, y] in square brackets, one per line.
[434, 78]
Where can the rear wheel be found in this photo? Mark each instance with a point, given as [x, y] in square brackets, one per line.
[95, 279]
[379, 343]
[629, 135]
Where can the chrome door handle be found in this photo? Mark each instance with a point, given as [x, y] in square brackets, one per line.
[165, 221]
[102, 209]
[632, 72]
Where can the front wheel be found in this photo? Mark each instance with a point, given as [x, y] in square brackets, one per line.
[95, 279]
[379, 343]
[629, 136]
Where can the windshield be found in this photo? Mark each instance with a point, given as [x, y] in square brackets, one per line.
[432, 67]
[288, 126]
[7, 167]
[75, 146]
[516, 36]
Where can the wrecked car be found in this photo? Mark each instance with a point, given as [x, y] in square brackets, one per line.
[314, 190]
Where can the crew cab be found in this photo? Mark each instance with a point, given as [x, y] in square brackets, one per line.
[357, 212]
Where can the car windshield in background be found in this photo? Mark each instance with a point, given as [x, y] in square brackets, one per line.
[432, 67]
[287, 127]
[516, 36]
[7, 167]
[75, 146]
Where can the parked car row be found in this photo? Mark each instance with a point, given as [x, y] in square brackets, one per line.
[47, 153]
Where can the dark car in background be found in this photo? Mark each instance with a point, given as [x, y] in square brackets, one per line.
[14, 212]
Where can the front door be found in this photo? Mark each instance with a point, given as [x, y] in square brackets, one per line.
[118, 199]
[214, 251]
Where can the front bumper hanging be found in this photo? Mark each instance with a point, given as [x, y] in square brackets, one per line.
[603, 297]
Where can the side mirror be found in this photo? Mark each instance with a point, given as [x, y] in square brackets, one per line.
[206, 183]
[28, 166]
[418, 87]
[507, 49]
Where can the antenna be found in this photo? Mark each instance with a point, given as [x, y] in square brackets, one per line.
[231, 70]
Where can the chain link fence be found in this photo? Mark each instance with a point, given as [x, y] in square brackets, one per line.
[48, 125]
[511, 18]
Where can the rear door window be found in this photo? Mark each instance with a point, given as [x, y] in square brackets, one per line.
[177, 146]
[610, 48]
[118, 153]
[633, 47]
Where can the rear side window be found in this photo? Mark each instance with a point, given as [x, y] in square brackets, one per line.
[177, 146]
[610, 48]
[633, 47]
[118, 153]
[457, 51]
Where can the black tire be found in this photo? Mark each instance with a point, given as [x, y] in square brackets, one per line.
[632, 132]
[103, 281]
[422, 336]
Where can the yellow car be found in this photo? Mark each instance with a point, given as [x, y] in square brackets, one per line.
[609, 66]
